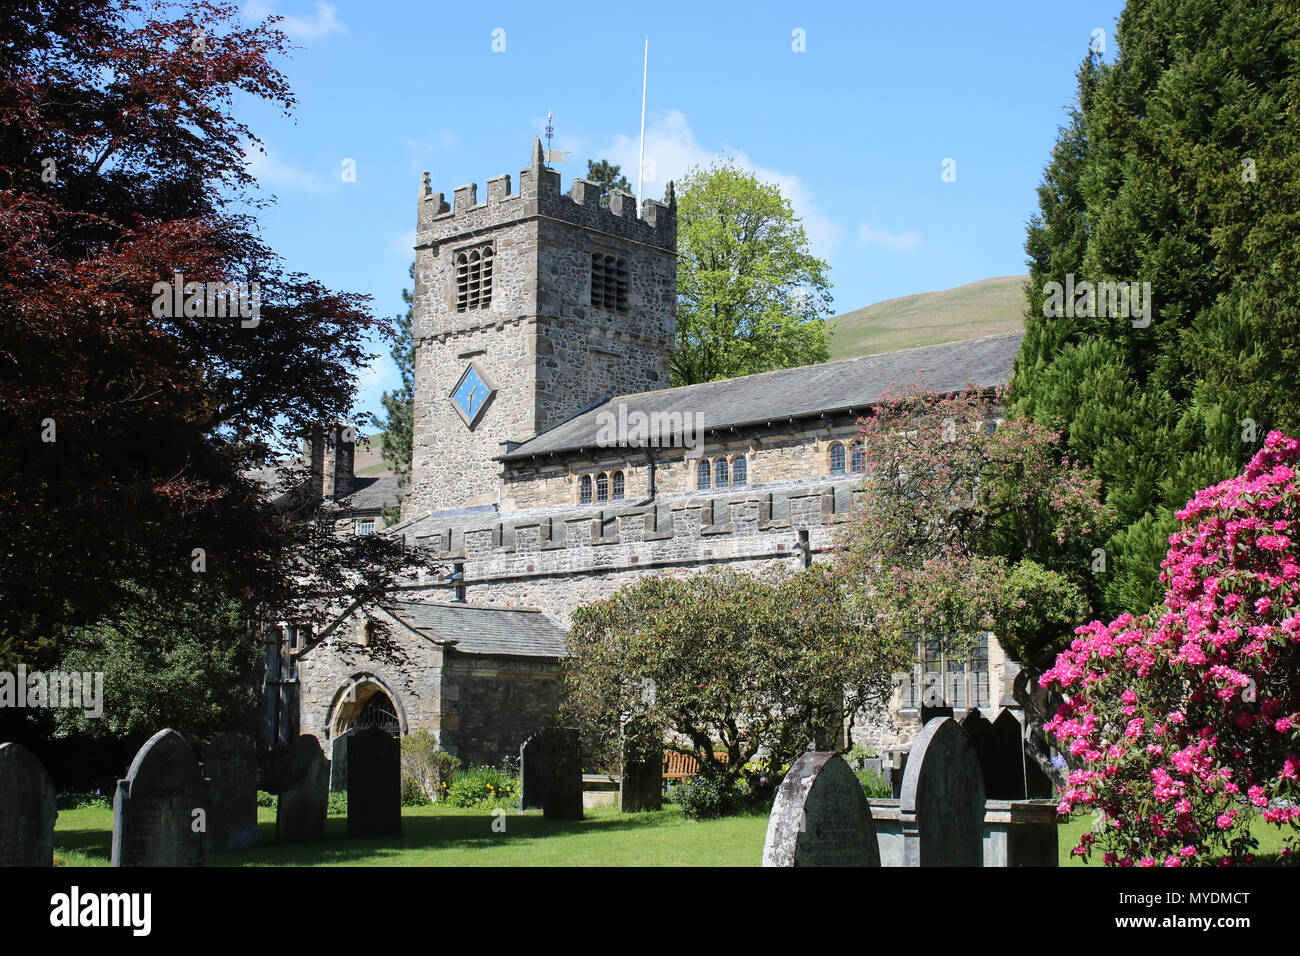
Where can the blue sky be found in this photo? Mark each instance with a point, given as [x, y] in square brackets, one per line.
[855, 128]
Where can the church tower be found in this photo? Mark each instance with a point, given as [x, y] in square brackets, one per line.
[528, 308]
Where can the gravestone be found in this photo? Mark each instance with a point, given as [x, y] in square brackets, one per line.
[304, 800]
[550, 771]
[230, 764]
[27, 809]
[155, 818]
[992, 764]
[820, 817]
[642, 784]
[339, 762]
[941, 808]
[374, 759]
[1017, 776]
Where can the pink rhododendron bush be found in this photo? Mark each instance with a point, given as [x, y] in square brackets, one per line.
[1184, 721]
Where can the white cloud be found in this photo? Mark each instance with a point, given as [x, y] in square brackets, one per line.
[325, 23]
[272, 172]
[869, 235]
[672, 148]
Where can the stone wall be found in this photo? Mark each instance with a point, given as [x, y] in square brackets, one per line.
[776, 456]
[492, 704]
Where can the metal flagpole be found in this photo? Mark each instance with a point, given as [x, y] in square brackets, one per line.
[640, 166]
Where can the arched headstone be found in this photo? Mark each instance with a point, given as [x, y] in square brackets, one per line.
[820, 817]
[157, 809]
[304, 801]
[27, 809]
[230, 764]
[941, 808]
[374, 759]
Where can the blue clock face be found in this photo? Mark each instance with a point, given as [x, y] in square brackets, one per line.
[471, 394]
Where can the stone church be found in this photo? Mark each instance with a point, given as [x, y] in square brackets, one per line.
[553, 465]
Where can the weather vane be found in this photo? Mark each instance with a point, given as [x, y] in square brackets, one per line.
[553, 156]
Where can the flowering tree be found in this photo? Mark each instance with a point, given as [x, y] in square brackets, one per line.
[967, 524]
[1186, 719]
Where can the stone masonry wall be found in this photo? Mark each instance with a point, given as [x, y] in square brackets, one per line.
[541, 344]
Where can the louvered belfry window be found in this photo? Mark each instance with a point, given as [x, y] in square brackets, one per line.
[474, 278]
[609, 282]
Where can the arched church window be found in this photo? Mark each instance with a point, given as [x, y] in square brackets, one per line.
[618, 485]
[859, 458]
[602, 487]
[720, 473]
[702, 475]
[474, 278]
[739, 471]
[837, 459]
[584, 490]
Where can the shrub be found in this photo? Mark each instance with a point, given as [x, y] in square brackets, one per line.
[83, 801]
[873, 784]
[1187, 720]
[708, 795]
[426, 768]
[265, 799]
[338, 804]
[482, 787]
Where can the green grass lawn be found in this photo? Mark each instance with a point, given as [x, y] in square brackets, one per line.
[452, 837]
[444, 836]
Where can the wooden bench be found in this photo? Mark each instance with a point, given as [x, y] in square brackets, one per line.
[679, 766]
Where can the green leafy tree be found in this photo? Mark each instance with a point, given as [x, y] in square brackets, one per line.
[607, 176]
[1178, 168]
[400, 404]
[182, 659]
[750, 295]
[728, 663]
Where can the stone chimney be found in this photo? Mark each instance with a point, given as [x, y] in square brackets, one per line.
[331, 449]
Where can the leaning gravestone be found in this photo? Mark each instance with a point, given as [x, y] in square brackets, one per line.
[230, 764]
[941, 809]
[550, 770]
[642, 783]
[820, 817]
[339, 762]
[158, 808]
[304, 801]
[27, 809]
[374, 759]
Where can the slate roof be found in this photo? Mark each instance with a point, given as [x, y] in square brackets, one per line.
[485, 630]
[371, 492]
[798, 392]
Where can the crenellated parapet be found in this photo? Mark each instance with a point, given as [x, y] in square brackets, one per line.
[540, 195]
[757, 524]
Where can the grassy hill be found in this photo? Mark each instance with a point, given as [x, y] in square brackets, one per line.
[968, 311]
[369, 459]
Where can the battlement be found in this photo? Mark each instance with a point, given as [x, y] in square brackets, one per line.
[688, 519]
[539, 195]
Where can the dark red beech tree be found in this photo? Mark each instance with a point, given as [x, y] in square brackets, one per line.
[127, 434]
